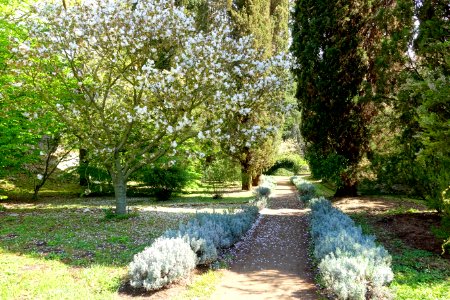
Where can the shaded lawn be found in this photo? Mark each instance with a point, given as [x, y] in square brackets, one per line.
[418, 274]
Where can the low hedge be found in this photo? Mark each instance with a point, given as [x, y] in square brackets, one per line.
[306, 190]
[351, 265]
[197, 242]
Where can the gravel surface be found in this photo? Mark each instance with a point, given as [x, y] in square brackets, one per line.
[273, 262]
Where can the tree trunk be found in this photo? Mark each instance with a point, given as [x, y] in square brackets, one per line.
[255, 180]
[246, 176]
[83, 164]
[348, 190]
[246, 180]
[120, 194]
[120, 187]
[37, 188]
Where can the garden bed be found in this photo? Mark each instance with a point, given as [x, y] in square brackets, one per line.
[406, 220]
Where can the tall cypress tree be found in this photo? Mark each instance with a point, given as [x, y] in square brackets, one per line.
[265, 20]
[345, 51]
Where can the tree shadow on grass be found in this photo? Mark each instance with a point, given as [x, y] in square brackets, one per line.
[82, 237]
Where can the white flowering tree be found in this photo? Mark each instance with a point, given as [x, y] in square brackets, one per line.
[147, 80]
[258, 87]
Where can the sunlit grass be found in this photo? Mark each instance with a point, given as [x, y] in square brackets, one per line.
[25, 277]
[82, 237]
[203, 287]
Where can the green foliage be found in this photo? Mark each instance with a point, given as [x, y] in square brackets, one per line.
[289, 161]
[266, 20]
[164, 181]
[446, 246]
[418, 274]
[412, 150]
[328, 167]
[110, 214]
[219, 172]
[342, 75]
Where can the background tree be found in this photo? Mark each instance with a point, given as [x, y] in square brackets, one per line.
[346, 53]
[413, 152]
[23, 120]
[267, 22]
[256, 125]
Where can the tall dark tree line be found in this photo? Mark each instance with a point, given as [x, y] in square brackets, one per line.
[417, 154]
[347, 53]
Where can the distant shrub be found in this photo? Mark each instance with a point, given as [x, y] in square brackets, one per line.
[351, 265]
[282, 172]
[165, 261]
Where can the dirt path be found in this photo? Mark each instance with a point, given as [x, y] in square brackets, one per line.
[273, 263]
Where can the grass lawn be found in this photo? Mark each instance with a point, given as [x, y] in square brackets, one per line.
[64, 248]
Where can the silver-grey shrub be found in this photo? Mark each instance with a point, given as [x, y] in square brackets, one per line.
[209, 232]
[351, 265]
[199, 241]
[166, 260]
[306, 190]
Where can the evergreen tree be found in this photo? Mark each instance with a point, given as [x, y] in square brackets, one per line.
[424, 106]
[346, 52]
[265, 20]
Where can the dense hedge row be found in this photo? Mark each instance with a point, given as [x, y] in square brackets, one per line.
[198, 242]
[351, 265]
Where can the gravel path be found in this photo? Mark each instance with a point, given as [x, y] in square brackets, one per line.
[273, 263]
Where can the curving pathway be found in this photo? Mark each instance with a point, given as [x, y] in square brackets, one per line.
[272, 262]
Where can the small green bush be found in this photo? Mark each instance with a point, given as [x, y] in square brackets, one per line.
[165, 181]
